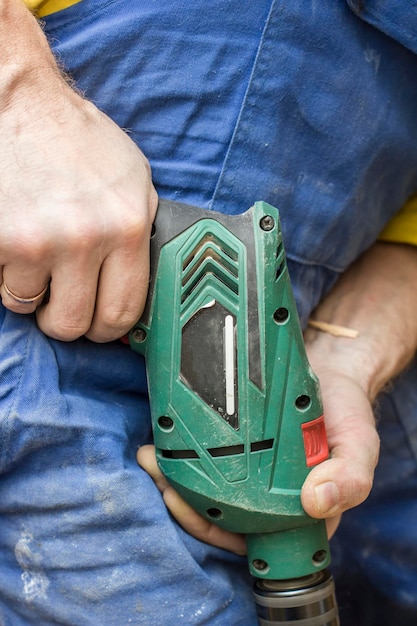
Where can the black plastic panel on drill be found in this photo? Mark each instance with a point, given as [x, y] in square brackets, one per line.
[174, 218]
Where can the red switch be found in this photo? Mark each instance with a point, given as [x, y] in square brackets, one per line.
[315, 441]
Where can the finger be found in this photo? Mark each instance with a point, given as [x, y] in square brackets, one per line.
[122, 291]
[191, 521]
[96, 298]
[199, 527]
[70, 308]
[345, 480]
[146, 458]
[124, 278]
[23, 290]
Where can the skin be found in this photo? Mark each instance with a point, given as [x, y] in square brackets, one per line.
[377, 296]
[76, 198]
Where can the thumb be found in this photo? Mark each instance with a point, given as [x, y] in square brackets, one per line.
[345, 479]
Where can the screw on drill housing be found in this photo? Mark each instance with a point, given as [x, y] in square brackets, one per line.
[267, 223]
[215, 513]
[138, 335]
[281, 315]
[260, 565]
[303, 401]
[319, 557]
[165, 422]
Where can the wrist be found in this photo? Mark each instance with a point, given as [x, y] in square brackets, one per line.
[359, 360]
[25, 53]
[377, 297]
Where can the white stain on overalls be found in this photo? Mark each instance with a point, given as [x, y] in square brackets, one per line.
[373, 57]
[35, 582]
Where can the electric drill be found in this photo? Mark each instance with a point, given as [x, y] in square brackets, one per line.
[236, 409]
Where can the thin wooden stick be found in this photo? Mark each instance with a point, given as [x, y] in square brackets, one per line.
[334, 329]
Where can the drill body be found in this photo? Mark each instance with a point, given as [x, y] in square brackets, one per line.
[236, 410]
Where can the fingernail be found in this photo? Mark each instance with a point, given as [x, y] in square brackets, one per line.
[327, 498]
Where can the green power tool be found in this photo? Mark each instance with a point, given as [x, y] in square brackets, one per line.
[236, 410]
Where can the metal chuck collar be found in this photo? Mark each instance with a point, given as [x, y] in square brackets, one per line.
[307, 601]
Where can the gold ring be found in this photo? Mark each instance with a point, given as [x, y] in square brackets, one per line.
[31, 300]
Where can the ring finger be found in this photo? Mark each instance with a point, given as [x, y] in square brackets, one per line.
[23, 292]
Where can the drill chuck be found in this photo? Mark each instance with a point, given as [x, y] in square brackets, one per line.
[306, 601]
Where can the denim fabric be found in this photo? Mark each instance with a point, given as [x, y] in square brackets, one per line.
[85, 538]
[305, 105]
[396, 19]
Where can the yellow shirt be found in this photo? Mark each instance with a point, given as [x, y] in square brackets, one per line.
[46, 7]
[403, 226]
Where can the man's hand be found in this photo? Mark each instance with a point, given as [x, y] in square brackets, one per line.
[76, 198]
[345, 479]
[377, 296]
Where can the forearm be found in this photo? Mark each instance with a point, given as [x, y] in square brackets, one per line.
[23, 45]
[31, 84]
[377, 296]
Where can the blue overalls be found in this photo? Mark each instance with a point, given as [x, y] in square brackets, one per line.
[308, 105]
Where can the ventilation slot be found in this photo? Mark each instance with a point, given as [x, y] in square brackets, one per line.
[210, 257]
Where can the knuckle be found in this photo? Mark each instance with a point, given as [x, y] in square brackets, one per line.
[111, 324]
[134, 226]
[62, 327]
[134, 218]
[82, 236]
[360, 487]
[153, 201]
[118, 320]
[375, 444]
[364, 487]
[31, 247]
